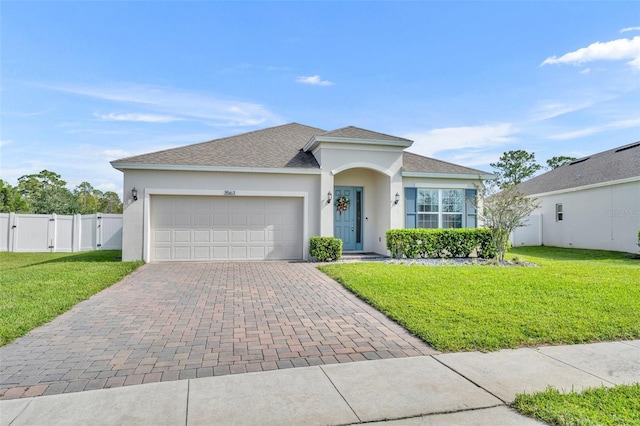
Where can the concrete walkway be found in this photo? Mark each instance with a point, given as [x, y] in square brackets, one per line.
[459, 388]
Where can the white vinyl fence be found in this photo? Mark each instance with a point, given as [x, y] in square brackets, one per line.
[530, 234]
[58, 233]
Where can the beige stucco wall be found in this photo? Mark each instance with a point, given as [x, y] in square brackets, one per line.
[208, 183]
[377, 206]
[605, 218]
[378, 167]
[378, 170]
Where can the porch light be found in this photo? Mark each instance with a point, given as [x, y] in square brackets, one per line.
[134, 194]
[397, 198]
[329, 197]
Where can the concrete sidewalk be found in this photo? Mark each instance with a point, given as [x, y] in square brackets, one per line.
[458, 388]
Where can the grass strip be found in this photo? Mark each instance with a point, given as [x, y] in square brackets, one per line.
[37, 287]
[618, 405]
[574, 296]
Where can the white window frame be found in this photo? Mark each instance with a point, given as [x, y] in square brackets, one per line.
[440, 211]
[559, 212]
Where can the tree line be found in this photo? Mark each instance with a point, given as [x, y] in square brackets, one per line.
[46, 193]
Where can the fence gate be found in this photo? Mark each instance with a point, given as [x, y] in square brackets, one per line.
[58, 233]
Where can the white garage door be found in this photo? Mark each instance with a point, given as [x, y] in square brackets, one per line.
[187, 228]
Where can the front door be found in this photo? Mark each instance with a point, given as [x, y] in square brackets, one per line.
[347, 216]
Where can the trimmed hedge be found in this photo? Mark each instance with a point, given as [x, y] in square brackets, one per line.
[325, 249]
[438, 243]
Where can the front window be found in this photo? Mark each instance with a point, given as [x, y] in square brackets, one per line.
[440, 208]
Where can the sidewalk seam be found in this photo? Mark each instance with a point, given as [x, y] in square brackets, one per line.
[186, 416]
[537, 350]
[340, 393]
[21, 411]
[468, 379]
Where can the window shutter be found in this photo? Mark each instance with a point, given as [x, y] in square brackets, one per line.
[410, 196]
[470, 197]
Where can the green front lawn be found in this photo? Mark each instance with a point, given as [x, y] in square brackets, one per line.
[619, 405]
[574, 296]
[37, 287]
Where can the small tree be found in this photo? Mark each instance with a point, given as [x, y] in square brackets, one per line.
[502, 212]
[514, 167]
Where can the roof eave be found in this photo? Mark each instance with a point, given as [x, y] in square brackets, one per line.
[584, 187]
[316, 140]
[474, 176]
[228, 169]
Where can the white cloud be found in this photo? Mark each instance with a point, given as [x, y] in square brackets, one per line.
[624, 30]
[585, 71]
[146, 118]
[552, 109]
[453, 138]
[314, 80]
[621, 124]
[173, 102]
[615, 50]
[4, 142]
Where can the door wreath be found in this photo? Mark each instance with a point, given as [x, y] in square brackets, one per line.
[342, 204]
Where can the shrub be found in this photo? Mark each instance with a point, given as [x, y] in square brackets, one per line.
[638, 238]
[325, 249]
[433, 243]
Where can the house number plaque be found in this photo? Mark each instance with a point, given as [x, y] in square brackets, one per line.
[229, 192]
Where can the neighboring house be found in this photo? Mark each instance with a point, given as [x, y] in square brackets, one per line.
[262, 194]
[593, 202]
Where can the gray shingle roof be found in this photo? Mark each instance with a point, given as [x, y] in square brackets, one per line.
[275, 147]
[358, 133]
[607, 166]
[279, 147]
[419, 164]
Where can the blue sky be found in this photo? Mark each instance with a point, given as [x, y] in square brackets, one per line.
[84, 83]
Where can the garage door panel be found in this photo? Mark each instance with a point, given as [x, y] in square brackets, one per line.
[182, 253]
[239, 219]
[162, 253]
[201, 236]
[162, 236]
[238, 236]
[221, 219]
[257, 253]
[182, 219]
[202, 252]
[256, 236]
[182, 236]
[225, 228]
[220, 236]
[239, 252]
[202, 219]
[220, 252]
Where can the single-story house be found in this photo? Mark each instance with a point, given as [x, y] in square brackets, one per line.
[592, 202]
[262, 194]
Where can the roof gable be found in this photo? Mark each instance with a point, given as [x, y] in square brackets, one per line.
[607, 166]
[352, 132]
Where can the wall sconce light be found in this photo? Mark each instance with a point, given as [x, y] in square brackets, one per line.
[397, 198]
[329, 197]
[134, 194]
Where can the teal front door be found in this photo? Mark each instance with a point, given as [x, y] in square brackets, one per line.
[347, 216]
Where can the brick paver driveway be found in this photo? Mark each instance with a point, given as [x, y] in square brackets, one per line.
[185, 320]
